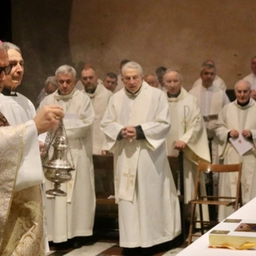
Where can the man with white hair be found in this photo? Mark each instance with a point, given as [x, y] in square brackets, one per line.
[120, 83]
[16, 107]
[72, 216]
[136, 124]
[237, 122]
[187, 133]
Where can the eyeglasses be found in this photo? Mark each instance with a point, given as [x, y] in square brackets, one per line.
[6, 69]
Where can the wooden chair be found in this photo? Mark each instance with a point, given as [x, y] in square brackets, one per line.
[104, 164]
[213, 200]
[176, 165]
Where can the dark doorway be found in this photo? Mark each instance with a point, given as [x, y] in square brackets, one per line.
[6, 20]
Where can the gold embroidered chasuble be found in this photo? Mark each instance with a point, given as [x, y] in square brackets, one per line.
[21, 213]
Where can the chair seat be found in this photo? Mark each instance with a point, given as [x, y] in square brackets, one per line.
[102, 198]
[212, 202]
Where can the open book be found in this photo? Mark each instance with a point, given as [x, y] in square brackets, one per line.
[241, 144]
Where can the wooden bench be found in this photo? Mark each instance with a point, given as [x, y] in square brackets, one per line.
[104, 173]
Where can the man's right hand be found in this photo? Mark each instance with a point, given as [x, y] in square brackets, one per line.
[234, 133]
[179, 145]
[48, 117]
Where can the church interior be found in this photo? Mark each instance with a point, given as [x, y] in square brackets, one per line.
[171, 33]
[177, 34]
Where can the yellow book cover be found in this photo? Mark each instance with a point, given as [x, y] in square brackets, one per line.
[236, 234]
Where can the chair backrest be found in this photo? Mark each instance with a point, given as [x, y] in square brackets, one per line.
[220, 168]
[207, 167]
[103, 162]
[176, 168]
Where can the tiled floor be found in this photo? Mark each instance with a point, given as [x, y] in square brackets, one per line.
[105, 242]
[107, 245]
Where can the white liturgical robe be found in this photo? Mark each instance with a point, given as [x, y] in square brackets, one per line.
[188, 126]
[99, 101]
[234, 116]
[17, 109]
[120, 83]
[251, 78]
[144, 188]
[73, 215]
[218, 82]
[211, 100]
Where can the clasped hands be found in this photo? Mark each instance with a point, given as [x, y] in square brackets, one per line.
[129, 133]
[246, 133]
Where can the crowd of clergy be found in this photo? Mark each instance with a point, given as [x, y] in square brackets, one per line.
[201, 125]
[141, 119]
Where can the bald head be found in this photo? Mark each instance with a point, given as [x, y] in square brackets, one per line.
[172, 80]
[152, 80]
[243, 91]
[244, 83]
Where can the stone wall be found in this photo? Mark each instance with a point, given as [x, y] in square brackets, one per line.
[172, 33]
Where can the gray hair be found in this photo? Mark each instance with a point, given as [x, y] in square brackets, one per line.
[169, 70]
[245, 81]
[52, 80]
[211, 62]
[65, 69]
[124, 61]
[160, 70]
[111, 75]
[2, 49]
[132, 65]
[208, 66]
[151, 75]
[8, 45]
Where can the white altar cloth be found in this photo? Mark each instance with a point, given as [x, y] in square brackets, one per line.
[200, 246]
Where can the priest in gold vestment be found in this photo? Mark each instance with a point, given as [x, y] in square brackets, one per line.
[21, 213]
